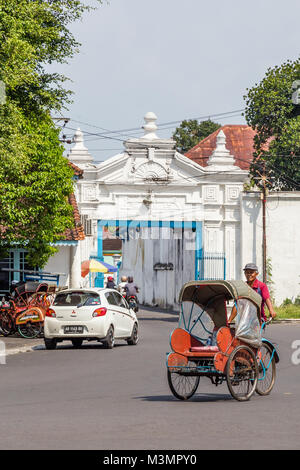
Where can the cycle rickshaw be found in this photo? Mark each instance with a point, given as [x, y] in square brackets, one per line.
[25, 308]
[204, 344]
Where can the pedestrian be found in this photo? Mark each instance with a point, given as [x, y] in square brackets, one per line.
[110, 283]
[251, 273]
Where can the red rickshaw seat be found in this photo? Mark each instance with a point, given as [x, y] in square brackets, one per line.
[204, 349]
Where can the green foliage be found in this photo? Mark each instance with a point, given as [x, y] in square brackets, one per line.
[35, 179]
[288, 311]
[270, 111]
[297, 300]
[191, 132]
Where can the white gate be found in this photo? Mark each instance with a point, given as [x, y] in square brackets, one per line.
[161, 260]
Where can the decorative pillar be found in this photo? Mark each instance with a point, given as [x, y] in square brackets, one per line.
[75, 272]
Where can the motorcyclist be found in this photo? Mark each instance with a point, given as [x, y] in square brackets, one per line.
[131, 289]
[122, 284]
[110, 283]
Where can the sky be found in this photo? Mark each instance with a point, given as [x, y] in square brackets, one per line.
[181, 59]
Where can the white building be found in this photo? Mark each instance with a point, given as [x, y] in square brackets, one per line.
[180, 220]
[177, 219]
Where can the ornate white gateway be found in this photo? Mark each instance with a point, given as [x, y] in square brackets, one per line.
[178, 221]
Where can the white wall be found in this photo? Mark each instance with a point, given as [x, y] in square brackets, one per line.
[282, 231]
[164, 245]
[60, 263]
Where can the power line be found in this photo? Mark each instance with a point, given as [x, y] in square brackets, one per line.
[208, 116]
[98, 136]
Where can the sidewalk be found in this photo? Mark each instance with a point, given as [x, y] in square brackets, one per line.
[15, 344]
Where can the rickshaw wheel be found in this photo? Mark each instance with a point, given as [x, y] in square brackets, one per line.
[6, 325]
[183, 387]
[242, 373]
[30, 330]
[266, 370]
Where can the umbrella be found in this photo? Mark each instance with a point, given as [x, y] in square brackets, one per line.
[94, 266]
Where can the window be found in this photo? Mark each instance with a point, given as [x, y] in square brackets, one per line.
[120, 301]
[72, 299]
[111, 298]
[87, 225]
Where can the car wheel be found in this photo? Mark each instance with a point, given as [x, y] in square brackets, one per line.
[134, 338]
[77, 343]
[110, 338]
[50, 343]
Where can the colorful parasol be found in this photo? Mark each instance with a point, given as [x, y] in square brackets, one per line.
[94, 266]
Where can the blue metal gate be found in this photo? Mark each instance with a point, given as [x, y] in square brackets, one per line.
[211, 266]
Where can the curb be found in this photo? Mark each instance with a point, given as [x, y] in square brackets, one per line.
[10, 352]
[287, 320]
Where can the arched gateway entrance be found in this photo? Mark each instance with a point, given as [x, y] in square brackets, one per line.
[160, 255]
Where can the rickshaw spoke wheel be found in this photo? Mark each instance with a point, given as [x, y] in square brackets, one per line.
[30, 330]
[242, 373]
[266, 370]
[183, 387]
[7, 324]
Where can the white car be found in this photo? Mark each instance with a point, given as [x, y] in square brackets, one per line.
[90, 314]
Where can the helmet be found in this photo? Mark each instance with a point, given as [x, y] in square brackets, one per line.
[110, 278]
[124, 278]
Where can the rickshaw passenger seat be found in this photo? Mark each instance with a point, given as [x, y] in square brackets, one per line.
[204, 349]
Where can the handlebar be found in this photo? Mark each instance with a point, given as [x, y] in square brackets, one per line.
[265, 323]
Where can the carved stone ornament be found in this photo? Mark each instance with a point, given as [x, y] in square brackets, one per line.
[151, 170]
[90, 192]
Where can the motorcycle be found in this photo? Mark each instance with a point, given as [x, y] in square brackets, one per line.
[132, 302]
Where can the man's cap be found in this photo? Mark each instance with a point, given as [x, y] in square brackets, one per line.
[251, 266]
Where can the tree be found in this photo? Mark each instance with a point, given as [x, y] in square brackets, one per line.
[271, 113]
[191, 132]
[35, 179]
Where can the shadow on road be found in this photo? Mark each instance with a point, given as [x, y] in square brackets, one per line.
[60, 347]
[199, 397]
[167, 319]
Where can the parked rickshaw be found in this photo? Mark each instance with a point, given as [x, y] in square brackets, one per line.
[204, 344]
[23, 310]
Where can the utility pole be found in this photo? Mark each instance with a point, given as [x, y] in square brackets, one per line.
[264, 203]
[65, 120]
[262, 184]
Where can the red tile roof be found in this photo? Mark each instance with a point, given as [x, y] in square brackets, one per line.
[77, 171]
[77, 232]
[239, 141]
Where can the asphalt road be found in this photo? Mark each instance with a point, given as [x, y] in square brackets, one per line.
[94, 398]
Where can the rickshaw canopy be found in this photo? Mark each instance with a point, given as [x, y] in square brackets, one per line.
[29, 287]
[202, 292]
[211, 297]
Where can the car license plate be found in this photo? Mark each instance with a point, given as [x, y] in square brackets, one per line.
[73, 329]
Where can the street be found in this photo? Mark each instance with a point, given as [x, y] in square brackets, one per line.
[92, 398]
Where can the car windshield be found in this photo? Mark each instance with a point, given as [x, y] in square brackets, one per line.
[73, 299]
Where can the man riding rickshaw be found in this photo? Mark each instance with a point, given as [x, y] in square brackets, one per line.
[207, 344]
